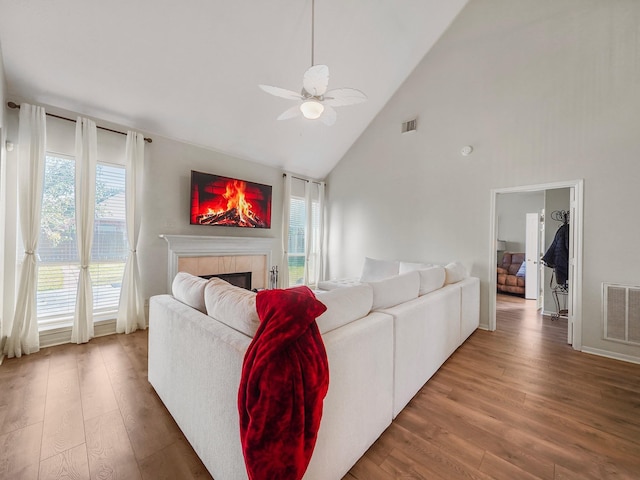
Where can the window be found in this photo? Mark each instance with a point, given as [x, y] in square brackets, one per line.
[304, 233]
[297, 224]
[59, 266]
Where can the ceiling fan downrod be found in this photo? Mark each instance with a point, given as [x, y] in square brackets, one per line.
[313, 9]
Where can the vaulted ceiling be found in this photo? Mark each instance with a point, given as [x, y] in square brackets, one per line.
[190, 70]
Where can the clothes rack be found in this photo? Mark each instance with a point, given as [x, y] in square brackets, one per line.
[560, 216]
[557, 258]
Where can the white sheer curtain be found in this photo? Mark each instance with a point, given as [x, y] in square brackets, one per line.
[308, 231]
[131, 308]
[32, 139]
[86, 159]
[319, 241]
[286, 211]
[313, 232]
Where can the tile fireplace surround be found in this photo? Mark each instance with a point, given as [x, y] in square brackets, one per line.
[205, 255]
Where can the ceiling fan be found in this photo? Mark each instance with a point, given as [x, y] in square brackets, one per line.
[315, 102]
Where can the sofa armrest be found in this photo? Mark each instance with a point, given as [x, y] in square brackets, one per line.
[195, 364]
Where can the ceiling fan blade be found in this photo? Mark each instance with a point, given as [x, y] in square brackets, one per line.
[328, 116]
[281, 92]
[290, 113]
[316, 80]
[344, 96]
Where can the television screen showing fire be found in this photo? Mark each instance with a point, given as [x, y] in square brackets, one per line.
[230, 202]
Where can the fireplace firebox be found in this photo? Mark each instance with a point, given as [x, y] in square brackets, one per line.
[240, 279]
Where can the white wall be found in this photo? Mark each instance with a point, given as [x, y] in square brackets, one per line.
[545, 91]
[166, 202]
[511, 216]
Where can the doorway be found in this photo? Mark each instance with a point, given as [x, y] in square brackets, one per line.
[574, 297]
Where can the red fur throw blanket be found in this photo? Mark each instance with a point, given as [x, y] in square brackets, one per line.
[285, 377]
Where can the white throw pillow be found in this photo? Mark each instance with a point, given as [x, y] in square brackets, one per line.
[395, 290]
[189, 289]
[410, 267]
[455, 272]
[431, 279]
[344, 305]
[231, 305]
[376, 270]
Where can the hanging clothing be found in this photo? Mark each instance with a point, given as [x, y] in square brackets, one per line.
[557, 256]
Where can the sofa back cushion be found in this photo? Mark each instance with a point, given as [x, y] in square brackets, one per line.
[431, 279]
[455, 272]
[344, 305]
[392, 291]
[511, 262]
[231, 305]
[405, 267]
[376, 270]
[189, 289]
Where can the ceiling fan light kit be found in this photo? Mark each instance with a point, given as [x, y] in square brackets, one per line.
[311, 109]
[316, 101]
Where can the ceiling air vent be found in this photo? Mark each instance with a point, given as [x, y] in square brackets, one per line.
[410, 126]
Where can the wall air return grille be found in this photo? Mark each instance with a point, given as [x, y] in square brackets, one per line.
[621, 308]
[410, 126]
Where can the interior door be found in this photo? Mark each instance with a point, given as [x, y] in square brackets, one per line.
[532, 255]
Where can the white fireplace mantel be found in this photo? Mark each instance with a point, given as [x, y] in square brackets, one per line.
[198, 245]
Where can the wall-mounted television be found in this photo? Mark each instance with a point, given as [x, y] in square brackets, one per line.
[230, 202]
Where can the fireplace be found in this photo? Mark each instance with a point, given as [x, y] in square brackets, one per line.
[239, 279]
[207, 255]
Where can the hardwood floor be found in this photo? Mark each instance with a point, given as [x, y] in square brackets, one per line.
[517, 403]
[88, 412]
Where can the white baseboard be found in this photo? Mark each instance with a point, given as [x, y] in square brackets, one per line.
[614, 355]
[62, 335]
[59, 336]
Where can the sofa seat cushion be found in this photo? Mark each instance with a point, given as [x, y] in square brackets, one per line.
[395, 290]
[513, 281]
[344, 305]
[231, 305]
[189, 290]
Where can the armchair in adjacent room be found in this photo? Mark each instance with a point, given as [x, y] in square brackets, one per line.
[511, 274]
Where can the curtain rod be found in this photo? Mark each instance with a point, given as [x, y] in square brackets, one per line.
[303, 179]
[15, 105]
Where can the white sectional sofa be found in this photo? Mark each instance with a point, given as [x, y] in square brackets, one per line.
[384, 340]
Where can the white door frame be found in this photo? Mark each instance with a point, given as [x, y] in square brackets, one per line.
[575, 263]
